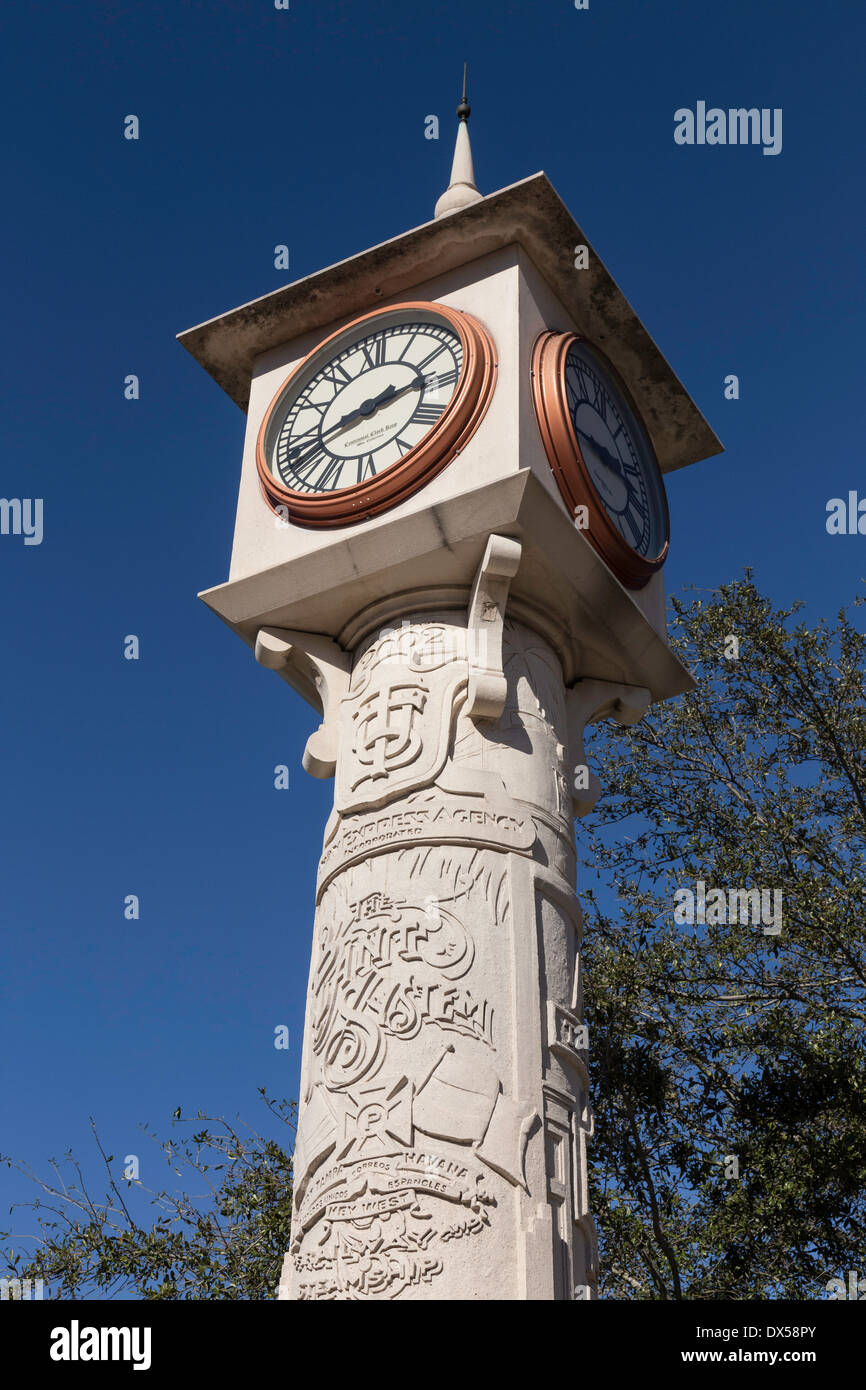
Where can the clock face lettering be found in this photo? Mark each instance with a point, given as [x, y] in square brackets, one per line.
[601, 455]
[367, 407]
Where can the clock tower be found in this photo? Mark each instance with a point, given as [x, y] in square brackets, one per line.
[450, 535]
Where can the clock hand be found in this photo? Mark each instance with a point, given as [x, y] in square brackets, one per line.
[392, 392]
[613, 463]
[367, 407]
[319, 439]
[608, 459]
[364, 410]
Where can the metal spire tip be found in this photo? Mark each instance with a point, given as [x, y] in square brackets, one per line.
[464, 109]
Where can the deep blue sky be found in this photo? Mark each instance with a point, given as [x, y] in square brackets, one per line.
[306, 127]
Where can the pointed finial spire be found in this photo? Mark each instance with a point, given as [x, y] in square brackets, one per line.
[464, 111]
[461, 191]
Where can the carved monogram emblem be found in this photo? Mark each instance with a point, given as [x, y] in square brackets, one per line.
[396, 735]
[385, 738]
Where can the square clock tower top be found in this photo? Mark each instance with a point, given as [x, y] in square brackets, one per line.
[529, 214]
[507, 261]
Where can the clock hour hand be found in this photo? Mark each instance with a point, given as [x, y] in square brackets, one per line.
[364, 410]
[369, 407]
[604, 453]
[610, 461]
[389, 394]
[318, 439]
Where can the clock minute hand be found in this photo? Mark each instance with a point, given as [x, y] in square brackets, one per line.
[389, 394]
[607, 458]
[364, 410]
[612, 462]
[419, 380]
[369, 407]
[319, 438]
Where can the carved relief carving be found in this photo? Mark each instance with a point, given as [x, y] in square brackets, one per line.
[380, 1231]
[386, 970]
[453, 793]
[527, 747]
[432, 817]
[403, 1050]
[396, 718]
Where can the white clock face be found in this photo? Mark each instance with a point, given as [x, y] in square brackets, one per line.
[616, 453]
[358, 413]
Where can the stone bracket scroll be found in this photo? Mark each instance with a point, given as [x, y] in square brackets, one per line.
[486, 614]
[315, 667]
[587, 702]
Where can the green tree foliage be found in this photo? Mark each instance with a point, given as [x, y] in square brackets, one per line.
[716, 1048]
[226, 1241]
[723, 1039]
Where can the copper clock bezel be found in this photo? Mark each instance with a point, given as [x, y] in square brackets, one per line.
[566, 461]
[439, 446]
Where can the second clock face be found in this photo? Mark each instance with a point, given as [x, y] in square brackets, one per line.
[374, 412]
[601, 455]
[615, 453]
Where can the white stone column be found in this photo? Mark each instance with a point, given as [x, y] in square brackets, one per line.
[441, 1148]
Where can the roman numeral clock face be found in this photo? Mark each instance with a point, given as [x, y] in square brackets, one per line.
[368, 407]
[374, 412]
[601, 456]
